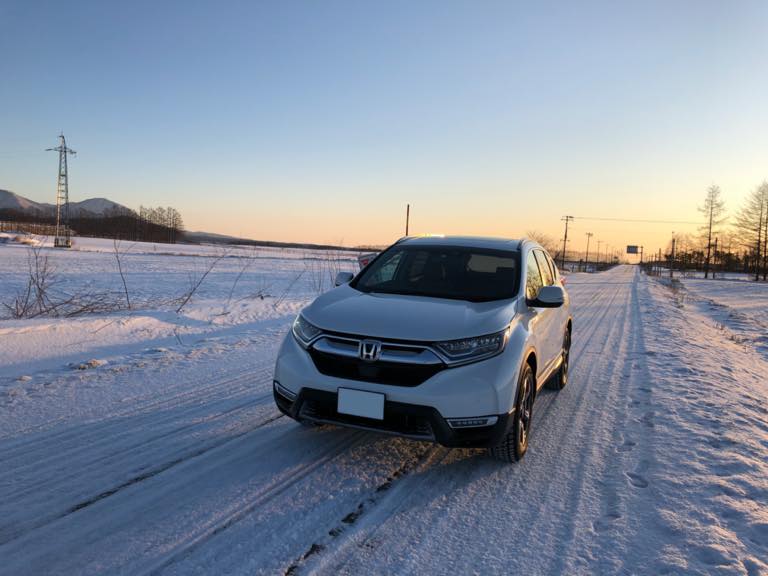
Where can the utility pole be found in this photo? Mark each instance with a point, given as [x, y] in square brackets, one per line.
[672, 260]
[567, 219]
[586, 257]
[598, 252]
[407, 217]
[63, 238]
[658, 263]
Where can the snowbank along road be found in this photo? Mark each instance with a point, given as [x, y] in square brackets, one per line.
[653, 460]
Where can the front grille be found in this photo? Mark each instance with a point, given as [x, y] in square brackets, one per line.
[392, 373]
[400, 364]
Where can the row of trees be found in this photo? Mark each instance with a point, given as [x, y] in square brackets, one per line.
[740, 243]
[161, 224]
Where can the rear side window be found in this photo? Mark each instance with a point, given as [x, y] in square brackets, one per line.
[546, 271]
[533, 281]
[552, 265]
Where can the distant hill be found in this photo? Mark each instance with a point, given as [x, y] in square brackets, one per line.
[91, 207]
[212, 238]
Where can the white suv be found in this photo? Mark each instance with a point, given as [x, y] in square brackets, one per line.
[445, 339]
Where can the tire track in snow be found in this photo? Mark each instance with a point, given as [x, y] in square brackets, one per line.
[109, 462]
[348, 527]
[105, 432]
[150, 525]
[270, 493]
[597, 502]
[140, 478]
[25, 446]
[16, 529]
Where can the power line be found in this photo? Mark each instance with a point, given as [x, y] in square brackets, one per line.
[639, 221]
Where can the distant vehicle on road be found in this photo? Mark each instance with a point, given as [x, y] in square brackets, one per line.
[446, 339]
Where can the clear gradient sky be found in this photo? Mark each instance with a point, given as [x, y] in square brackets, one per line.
[318, 120]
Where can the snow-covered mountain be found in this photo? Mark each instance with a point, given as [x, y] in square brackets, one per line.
[89, 207]
[11, 201]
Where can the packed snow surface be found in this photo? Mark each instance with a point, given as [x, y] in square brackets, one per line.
[144, 441]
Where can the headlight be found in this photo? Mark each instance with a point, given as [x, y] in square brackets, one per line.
[304, 331]
[471, 349]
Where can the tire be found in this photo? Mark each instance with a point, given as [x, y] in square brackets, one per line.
[515, 444]
[560, 379]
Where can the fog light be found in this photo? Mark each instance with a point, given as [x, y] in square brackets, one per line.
[283, 391]
[472, 422]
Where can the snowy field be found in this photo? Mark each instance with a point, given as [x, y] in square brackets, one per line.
[145, 441]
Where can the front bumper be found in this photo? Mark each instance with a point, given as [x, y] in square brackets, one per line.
[487, 387]
[401, 419]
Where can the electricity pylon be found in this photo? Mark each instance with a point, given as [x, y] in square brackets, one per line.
[63, 235]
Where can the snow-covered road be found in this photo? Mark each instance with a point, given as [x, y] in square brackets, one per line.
[652, 460]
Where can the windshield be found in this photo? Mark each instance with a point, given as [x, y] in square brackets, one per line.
[455, 272]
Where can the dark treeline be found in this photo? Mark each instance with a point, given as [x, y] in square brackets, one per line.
[687, 259]
[738, 245]
[162, 225]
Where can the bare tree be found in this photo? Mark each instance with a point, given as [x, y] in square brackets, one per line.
[548, 243]
[752, 226]
[713, 210]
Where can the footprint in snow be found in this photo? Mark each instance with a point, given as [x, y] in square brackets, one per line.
[647, 419]
[606, 522]
[627, 446]
[714, 556]
[637, 480]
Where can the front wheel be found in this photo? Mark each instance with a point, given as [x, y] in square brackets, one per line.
[515, 444]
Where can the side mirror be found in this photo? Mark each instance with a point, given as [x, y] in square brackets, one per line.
[548, 297]
[343, 278]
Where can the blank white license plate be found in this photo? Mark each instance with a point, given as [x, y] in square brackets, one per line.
[359, 403]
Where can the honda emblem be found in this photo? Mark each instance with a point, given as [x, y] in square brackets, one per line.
[369, 350]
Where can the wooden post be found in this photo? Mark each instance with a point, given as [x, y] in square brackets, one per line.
[407, 217]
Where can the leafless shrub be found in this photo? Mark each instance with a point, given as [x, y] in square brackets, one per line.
[33, 299]
[41, 295]
[196, 282]
[288, 289]
[261, 289]
[322, 270]
[315, 274]
[120, 270]
[334, 263]
[243, 269]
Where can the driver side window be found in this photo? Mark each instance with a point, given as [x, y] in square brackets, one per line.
[533, 282]
[387, 271]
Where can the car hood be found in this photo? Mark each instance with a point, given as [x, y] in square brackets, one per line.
[402, 317]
